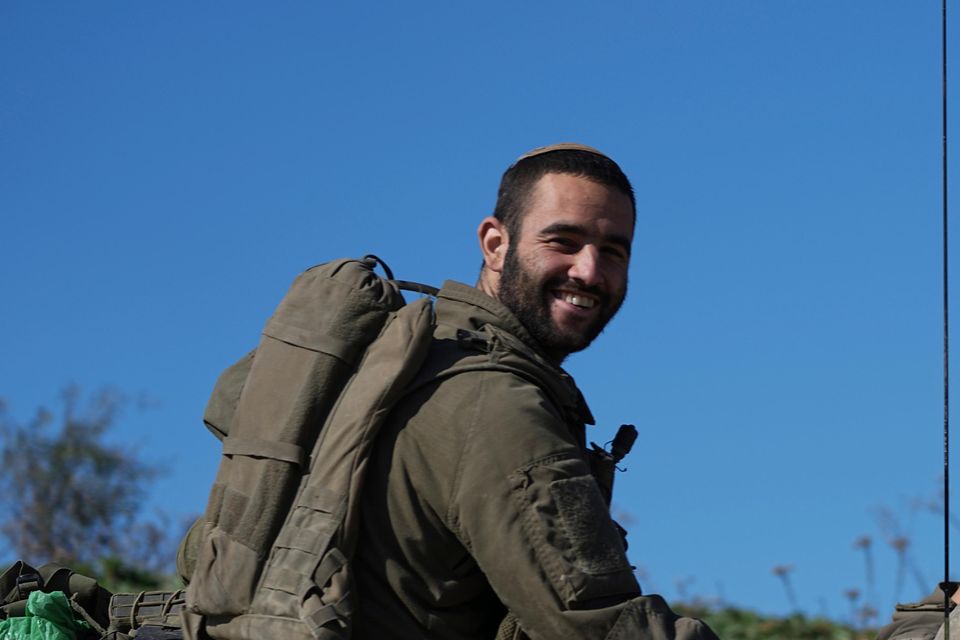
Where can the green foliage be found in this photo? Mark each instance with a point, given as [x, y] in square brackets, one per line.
[118, 575]
[742, 624]
[73, 498]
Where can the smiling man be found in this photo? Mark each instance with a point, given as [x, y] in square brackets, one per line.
[564, 275]
[480, 517]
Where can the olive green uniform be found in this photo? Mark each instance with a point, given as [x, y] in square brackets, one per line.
[479, 500]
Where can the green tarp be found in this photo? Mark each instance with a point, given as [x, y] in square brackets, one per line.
[49, 617]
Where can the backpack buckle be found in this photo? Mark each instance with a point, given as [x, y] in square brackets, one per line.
[27, 583]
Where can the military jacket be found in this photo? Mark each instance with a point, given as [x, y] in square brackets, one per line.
[479, 501]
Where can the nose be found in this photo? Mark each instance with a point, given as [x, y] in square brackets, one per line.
[586, 266]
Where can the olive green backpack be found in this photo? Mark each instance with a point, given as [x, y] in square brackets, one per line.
[270, 558]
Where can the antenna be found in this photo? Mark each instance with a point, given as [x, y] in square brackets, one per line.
[948, 587]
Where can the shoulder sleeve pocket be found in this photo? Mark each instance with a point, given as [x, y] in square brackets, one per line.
[569, 527]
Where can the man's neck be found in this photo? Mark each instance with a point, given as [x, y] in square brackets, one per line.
[488, 282]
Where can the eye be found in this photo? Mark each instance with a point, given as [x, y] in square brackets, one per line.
[616, 253]
[563, 242]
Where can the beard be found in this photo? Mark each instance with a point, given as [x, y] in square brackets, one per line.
[529, 299]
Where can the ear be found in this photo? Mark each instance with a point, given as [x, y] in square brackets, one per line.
[493, 243]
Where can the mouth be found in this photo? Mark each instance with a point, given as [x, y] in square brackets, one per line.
[577, 299]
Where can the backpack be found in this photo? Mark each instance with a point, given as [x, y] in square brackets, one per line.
[84, 594]
[272, 557]
[921, 620]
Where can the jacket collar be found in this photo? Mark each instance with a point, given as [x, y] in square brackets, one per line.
[475, 309]
[486, 310]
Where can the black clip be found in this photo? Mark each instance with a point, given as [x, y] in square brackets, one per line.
[472, 340]
[26, 583]
[949, 588]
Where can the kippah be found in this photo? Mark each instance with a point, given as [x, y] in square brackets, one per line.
[561, 146]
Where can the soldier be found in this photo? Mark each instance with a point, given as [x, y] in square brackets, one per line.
[480, 503]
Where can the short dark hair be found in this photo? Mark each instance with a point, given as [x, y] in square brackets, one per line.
[519, 179]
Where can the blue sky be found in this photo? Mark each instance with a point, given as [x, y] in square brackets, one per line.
[166, 169]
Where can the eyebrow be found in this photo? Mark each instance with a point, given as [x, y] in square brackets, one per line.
[563, 227]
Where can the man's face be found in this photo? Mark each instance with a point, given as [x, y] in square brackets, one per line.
[565, 276]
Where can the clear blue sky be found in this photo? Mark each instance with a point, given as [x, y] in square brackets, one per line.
[166, 168]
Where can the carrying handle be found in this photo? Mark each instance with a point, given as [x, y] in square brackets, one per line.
[372, 260]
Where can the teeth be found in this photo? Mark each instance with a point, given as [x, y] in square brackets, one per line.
[578, 301]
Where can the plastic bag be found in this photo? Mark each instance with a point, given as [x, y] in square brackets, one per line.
[49, 617]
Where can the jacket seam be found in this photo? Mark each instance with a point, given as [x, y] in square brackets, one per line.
[452, 515]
